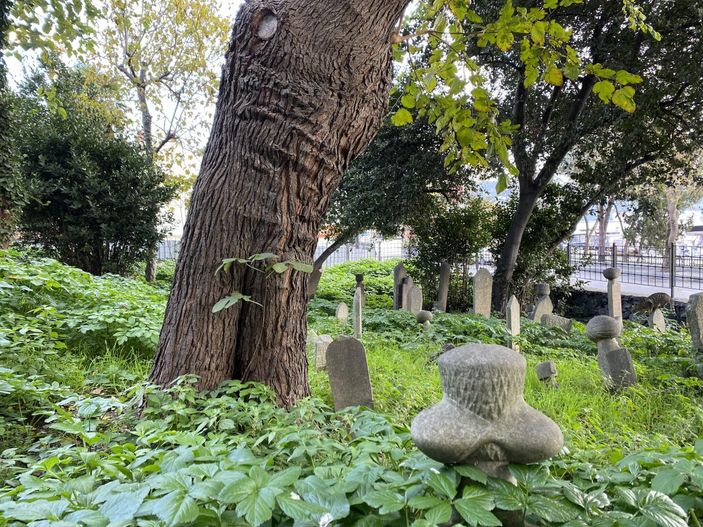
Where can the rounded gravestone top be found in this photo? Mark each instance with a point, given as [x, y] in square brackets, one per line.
[542, 289]
[611, 273]
[603, 327]
[424, 316]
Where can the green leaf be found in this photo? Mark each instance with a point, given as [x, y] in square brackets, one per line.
[408, 101]
[235, 491]
[263, 256]
[386, 501]
[300, 266]
[554, 76]
[471, 472]
[604, 90]
[280, 267]
[443, 483]
[424, 502]
[623, 77]
[229, 301]
[285, 477]
[661, 510]
[502, 183]
[401, 117]
[623, 98]
[442, 513]
[475, 514]
[257, 506]
[176, 508]
[668, 481]
[552, 510]
[121, 506]
[538, 31]
[298, 509]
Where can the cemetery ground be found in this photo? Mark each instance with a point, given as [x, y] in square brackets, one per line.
[84, 441]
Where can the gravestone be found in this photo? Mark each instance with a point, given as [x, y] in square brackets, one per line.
[357, 312]
[614, 361]
[348, 373]
[425, 318]
[360, 287]
[443, 292]
[656, 320]
[314, 281]
[543, 304]
[512, 318]
[413, 297]
[612, 274]
[399, 273]
[321, 344]
[547, 371]
[342, 313]
[482, 418]
[483, 291]
[550, 320]
[694, 318]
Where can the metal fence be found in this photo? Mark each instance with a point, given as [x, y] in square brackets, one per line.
[678, 266]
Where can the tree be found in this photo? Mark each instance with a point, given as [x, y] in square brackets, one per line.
[163, 50]
[95, 196]
[399, 180]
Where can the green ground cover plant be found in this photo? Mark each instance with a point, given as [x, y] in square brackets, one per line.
[86, 442]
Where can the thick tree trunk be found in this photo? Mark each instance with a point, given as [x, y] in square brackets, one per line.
[303, 92]
[505, 267]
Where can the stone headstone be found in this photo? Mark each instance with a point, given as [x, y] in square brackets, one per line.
[615, 362]
[612, 274]
[321, 344]
[656, 320]
[348, 373]
[482, 418]
[483, 291]
[314, 281]
[543, 305]
[399, 273]
[342, 313]
[361, 288]
[413, 297]
[445, 273]
[424, 316]
[546, 371]
[357, 313]
[512, 318]
[550, 320]
[694, 318]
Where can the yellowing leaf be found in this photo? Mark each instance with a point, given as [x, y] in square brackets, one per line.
[604, 90]
[401, 117]
[623, 98]
[554, 76]
[537, 32]
[408, 101]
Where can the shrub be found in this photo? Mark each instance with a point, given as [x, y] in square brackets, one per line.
[338, 282]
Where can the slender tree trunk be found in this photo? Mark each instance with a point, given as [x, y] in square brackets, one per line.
[320, 260]
[303, 92]
[604, 211]
[505, 267]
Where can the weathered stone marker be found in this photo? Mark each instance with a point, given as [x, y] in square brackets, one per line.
[413, 296]
[445, 273]
[612, 274]
[483, 291]
[314, 281]
[614, 361]
[342, 313]
[543, 304]
[547, 371]
[694, 318]
[550, 320]
[656, 320]
[321, 344]
[399, 273]
[348, 373]
[358, 306]
[512, 318]
[425, 318]
[482, 418]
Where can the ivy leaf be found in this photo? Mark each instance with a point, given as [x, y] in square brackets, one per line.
[401, 117]
[176, 508]
[623, 98]
[604, 90]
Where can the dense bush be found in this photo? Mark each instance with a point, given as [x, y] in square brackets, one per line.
[338, 282]
[96, 197]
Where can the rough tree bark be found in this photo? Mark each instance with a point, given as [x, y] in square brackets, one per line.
[303, 91]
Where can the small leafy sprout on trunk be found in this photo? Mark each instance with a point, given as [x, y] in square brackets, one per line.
[271, 265]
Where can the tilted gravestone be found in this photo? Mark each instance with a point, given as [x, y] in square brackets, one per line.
[348, 373]
[399, 273]
[512, 318]
[550, 320]
[612, 274]
[357, 313]
[543, 305]
[614, 361]
[342, 313]
[425, 318]
[656, 320]
[483, 419]
[483, 291]
[694, 318]
[321, 344]
[443, 291]
[547, 371]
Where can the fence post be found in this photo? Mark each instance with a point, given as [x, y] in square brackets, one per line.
[672, 272]
[614, 256]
